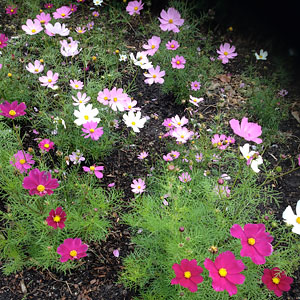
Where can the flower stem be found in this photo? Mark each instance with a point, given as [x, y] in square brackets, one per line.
[19, 140]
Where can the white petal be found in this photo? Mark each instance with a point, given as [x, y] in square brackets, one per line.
[289, 216]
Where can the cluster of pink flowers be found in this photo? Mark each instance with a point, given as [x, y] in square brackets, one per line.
[222, 141]
[171, 156]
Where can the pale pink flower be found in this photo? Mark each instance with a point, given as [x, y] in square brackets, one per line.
[185, 177]
[90, 25]
[226, 52]
[36, 68]
[116, 253]
[154, 76]
[90, 128]
[152, 46]
[222, 141]
[195, 85]
[94, 170]
[167, 157]
[170, 20]
[182, 134]
[177, 122]
[69, 49]
[178, 62]
[118, 99]
[76, 84]
[43, 18]
[195, 100]
[23, 164]
[134, 7]
[63, 12]
[49, 80]
[175, 154]
[130, 105]
[81, 98]
[57, 28]
[95, 14]
[172, 45]
[143, 155]
[104, 96]
[138, 186]
[80, 30]
[32, 27]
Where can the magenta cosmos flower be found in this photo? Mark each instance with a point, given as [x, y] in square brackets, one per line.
[72, 249]
[63, 12]
[195, 85]
[49, 80]
[134, 7]
[249, 131]
[3, 40]
[44, 18]
[22, 163]
[46, 145]
[138, 186]
[76, 84]
[225, 272]
[170, 20]
[40, 183]
[256, 242]
[73, 8]
[94, 170]
[90, 128]
[178, 62]
[48, 5]
[277, 281]
[154, 76]
[12, 110]
[35, 68]
[172, 45]
[152, 46]
[11, 10]
[56, 218]
[32, 27]
[226, 52]
[187, 274]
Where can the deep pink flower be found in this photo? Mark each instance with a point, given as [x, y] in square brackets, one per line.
[185, 177]
[170, 20]
[277, 281]
[3, 40]
[187, 274]
[94, 170]
[22, 163]
[56, 218]
[134, 7]
[48, 5]
[299, 160]
[138, 186]
[72, 249]
[90, 128]
[11, 10]
[40, 183]
[63, 12]
[172, 45]
[46, 145]
[225, 272]
[73, 7]
[76, 84]
[195, 85]
[12, 110]
[226, 52]
[256, 242]
[152, 46]
[178, 62]
[154, 76]
[80, 1]
[44, 18]
[249, 131]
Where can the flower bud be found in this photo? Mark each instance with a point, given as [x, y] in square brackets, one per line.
[181, 229]
[220, 181]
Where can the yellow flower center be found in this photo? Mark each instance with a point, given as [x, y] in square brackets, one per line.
[115, 99]
[248, 156]
[225, 53]
[86, 117]
[187, 274]
[92, 168]
[0, 43]
[42, 22]
[260, 56]
[49, 80]
[178, 62]
[195, 85]
[63, 15]
[154, 76]
[169, 124]
[92, 130]
[80, 101]
[12, 112]
[275, 280]
[73, 253]
[46, 145]
[182, 136]
[298, 220]
[9, 74]
[171, 21]
[36, 70]
[179, 123]
[222, 272]
[56, 219]
[133, 123]
[105, 98]
[76, 85]
[33, 30]
[80, 30]
[136, 8]
[219, 143]
[11, 10]
[172, 46]
[40, 188]
[41, 60]
[195, 100]
[22, 161]
[139, 187]
[251, 241]
[153, 46]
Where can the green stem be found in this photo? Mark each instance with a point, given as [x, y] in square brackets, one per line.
[238, 174]
[19, 140]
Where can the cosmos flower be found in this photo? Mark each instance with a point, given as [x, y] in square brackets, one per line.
[97, 2]
[134, 7]
[46, 145]
[226, 52]
[141, 60]
[154, 76]
[3, 40]
[50, 80]
[76, 84]
[72, 249]
[48, 5]
[81, 99]
[262, 55]
[80, 30]
[21, 163]
[56, 218]
[12, 110]
[85, 114]
[36, 68]
[43, 18]
[69, 49]
[95, 14]
[195, 100]
[104, 96]
[73, 8]
[222, 141]
[118, 99]
[134, 120]
[253, 158]
[182, 134]
[63, 12]
[76, 157]
[195, 85]
[179, 122]
[10, 10]
[185, 177]
[94, 170]
[32, 27]
[138, 186]
[169, 20]
[57, 28]
[172, 45]
[292, 219]
[152, 46]
[91, 130]
[178, 62]
[143, 155]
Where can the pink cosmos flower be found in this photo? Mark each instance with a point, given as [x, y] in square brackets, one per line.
[185, 177]
[46, 145]
[299, 160]
[40, 183]
[187, 274]
[44, 18]
[36, 68]
[170, 20]
[172, 45]
[225, 272]
[48, 5]
[177, 122]
[175, 154]
[249, 131]
[110, 185]
[168, 123]
[222, 141]
[182, 134]
[81, 99]
[256, 242]
[95, 14]
[63, 12]
[195, 85]
[277, 281]
[12, 110]
[22, 163]
[134, 7]
[152, 46]
[167, 157]
[138, 186]
[94, 170]
[92, 131]
[11, 10]
[32, 27]
[226, 52]
[178, 62]
[73, 8]
[195, 100]
[3, 40]
[56, 218]
[80, 30]
[143, 155]
[80, 1]
[104, 96]
[72, 249]
[130, 105]
[57, 28]
[90, 25]
[118, 100]
[49, 80]
[76, 84]
[154, 76]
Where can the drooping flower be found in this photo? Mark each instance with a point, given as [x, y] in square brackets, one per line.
[76, 84]
[90, 130]
[40, 183]
[46, 145]
[134, 120]
[134, 7]
[50, 80]
[69, 49]
[10, 10]
[12, 110]
[225, 272]
[195, 100]
[182, 134]
[36, 68]
[179, 122]
[226, 52]
[187, 274]
[72, 249]
[253, 158]
[56, 218]
[277, 281]
[22, 163]
[195, 85]
[249, 131]
[185, 177]
[143, 155]
[293, 219]
[94, 170]
[256, 242]
[138, 186]
[43, 18]
[32, 27]
[63, 12]
[154, 76]
[172, 45]
[80, 30]
[262, 55]
[152, 46]
[3, 40]
[222, 141]
[85, 114]
[178, 62]
[170, 20]
[57, 28]
[81, 99]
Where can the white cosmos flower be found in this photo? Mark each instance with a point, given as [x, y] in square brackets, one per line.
[141, 60]
[195, 100]
[86, 114]
[134, 121]
[81, 98]
[293, 219]
[98, 2]
[57, 28]
[252, 157]
[262, 55]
